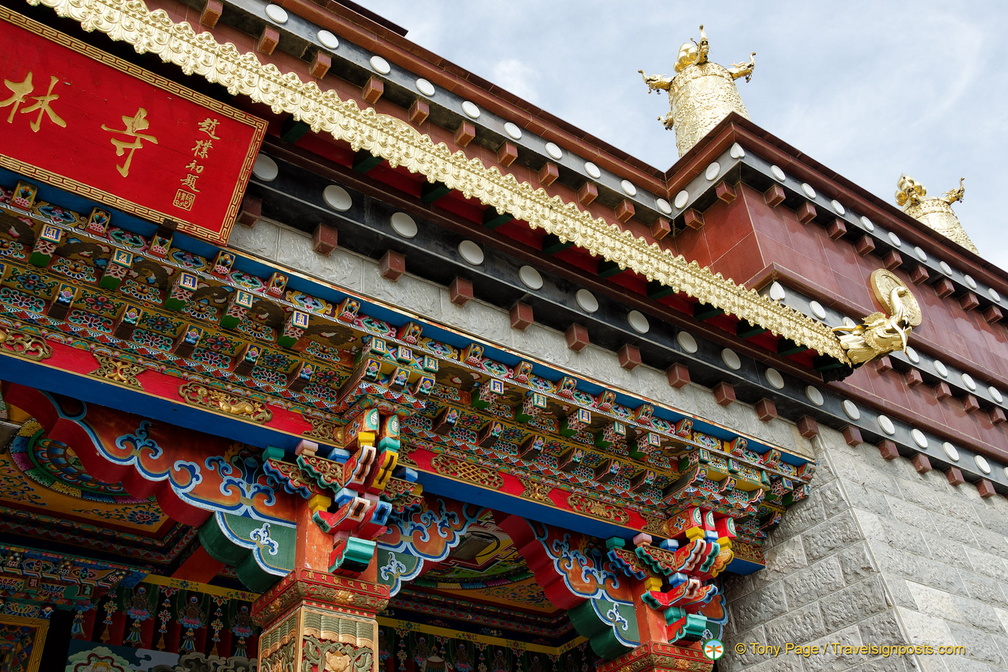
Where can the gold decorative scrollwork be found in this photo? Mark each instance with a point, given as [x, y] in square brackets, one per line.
[118, 370]
[598, 509]
[24, 345]
[398, 143]
[404, 454]
[467, 471]
[536, 490]
[654, 524]
[323, 429]
[230, 403]
[398, 486]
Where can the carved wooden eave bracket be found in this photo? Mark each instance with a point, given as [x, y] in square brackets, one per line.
[395, 141]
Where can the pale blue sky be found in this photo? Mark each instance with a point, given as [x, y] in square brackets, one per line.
[869, 89]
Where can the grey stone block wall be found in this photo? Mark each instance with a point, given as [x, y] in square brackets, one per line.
[878, 554]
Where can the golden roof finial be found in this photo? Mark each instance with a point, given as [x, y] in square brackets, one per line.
[936, 213]
[701, 93]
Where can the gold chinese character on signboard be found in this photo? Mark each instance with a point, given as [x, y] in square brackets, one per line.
[209, 126]
[202, 148]
[132, 127]
[43, 104]
[194, 167]
[20, 91]
[189, 182]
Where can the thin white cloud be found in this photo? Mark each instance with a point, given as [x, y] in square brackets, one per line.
[517, 77]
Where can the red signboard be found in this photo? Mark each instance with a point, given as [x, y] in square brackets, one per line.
[83, 120]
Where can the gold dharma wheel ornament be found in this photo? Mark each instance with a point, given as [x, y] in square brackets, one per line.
[883, 332]
[883, 282]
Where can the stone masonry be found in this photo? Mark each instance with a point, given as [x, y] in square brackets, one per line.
[878, 554]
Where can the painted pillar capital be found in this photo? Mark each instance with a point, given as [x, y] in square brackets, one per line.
[658, 657]
[320, 621]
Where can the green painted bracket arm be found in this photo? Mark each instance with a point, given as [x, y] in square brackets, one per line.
[611, 627]
[262, 553]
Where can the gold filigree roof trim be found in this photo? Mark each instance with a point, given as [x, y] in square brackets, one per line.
[398, 143]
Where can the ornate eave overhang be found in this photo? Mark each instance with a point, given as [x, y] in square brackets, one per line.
[399, 144]
[50, 345]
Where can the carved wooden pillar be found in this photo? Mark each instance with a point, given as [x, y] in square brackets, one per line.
[314, 620]
[322, 616]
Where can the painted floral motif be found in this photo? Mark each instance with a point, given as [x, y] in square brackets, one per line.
[445, 392]
[330, 377]
[326, 352]
[256, 329]
[133, 241]
[31, 282]
[189, 260]
[217, 343]
[212, 358]
[97, 303]
[143, 292]
[89, 321]
[11, 249]
[201, 311]
[527, 592]
[659, 460]
[247, 281]
[21, 300]
[309, 303]
[162, 324]
[269, 375]
[274, 360]
[75, 269]
[322, 392]
[143, 514]
[152, 340]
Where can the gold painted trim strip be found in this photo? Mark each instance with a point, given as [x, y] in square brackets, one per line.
[204, 588]
[399, 144]
[483, 639]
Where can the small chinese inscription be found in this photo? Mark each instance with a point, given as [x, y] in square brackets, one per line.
[185, 197]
